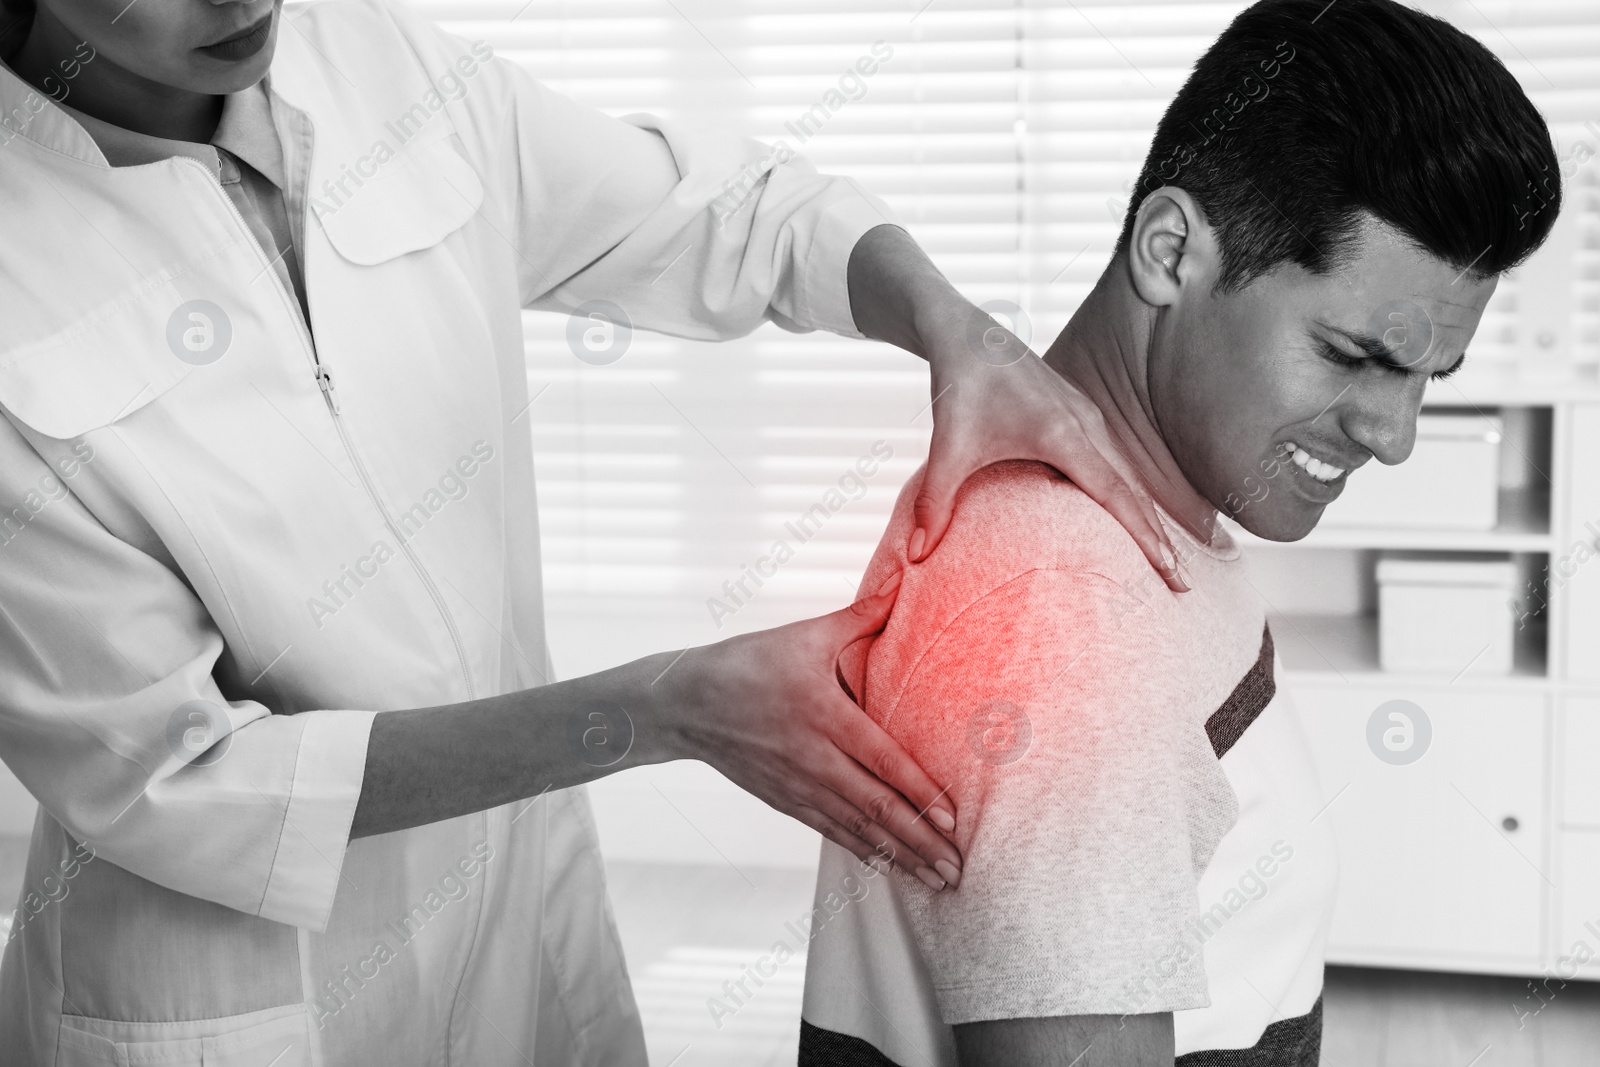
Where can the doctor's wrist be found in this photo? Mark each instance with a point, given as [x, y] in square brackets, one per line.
[897, 294]
[669, 691]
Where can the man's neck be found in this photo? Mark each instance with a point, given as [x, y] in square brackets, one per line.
[1103, 351]
[108, 92]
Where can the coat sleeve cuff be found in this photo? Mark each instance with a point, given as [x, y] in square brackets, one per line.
[824, 290]
[316, 825]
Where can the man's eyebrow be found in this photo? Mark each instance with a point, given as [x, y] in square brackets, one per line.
[1374, 348]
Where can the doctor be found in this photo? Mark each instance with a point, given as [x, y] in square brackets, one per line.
[272, 649]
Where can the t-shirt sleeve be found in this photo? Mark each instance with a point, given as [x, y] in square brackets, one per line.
[1058, 711]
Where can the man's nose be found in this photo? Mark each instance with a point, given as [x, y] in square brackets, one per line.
[1383, 420]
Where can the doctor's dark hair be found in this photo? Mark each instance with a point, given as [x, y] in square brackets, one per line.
[1303, 115]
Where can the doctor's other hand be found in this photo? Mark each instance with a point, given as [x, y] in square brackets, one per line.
[993, 399]
[767, 710]
[1006, 403]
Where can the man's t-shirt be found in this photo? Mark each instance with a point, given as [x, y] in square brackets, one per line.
[1085, 718]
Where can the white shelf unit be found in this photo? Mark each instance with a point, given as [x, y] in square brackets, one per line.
[1484, 854]
[1524, 526]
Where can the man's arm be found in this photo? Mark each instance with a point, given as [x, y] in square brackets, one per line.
[1063, 1040]
[1027, 667]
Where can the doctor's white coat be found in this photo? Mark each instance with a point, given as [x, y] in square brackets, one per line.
[226, 545]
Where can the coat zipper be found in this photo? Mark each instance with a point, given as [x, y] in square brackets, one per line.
[331, 397]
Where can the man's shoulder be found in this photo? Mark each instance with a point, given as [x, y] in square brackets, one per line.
[1014, 524]
[1019, 516]
[1030, 553]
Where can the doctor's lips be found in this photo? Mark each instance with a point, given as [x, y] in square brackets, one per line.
[242, 44]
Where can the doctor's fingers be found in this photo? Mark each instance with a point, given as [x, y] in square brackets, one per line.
[1132, 509]
[1078, 447]
[865, 742]
[857, 780]
[1069, 453]
[845, 825]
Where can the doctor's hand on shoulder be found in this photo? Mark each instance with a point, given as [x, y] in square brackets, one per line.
[993, 398]
[766, 709]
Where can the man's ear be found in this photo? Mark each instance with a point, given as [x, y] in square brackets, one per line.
[1172, 247]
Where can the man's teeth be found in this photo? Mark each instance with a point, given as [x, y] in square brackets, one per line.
[1322, 472]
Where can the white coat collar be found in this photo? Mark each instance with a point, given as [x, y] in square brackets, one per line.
[245, 130]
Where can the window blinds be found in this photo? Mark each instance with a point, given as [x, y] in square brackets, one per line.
[1004, 134]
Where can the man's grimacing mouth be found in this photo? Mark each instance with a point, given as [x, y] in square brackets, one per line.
[1323, 470]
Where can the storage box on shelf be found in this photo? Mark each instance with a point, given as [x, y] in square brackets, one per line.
[1440, 612]
[1451, 480]
[1483, 853]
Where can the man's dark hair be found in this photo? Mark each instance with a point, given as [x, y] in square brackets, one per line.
[1305, 114]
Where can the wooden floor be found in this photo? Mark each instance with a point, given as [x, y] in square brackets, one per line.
[688, 929]
[1418, 1019]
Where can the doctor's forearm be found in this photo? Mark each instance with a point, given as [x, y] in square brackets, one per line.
[766, 709]
[897, 294]
[428, 764]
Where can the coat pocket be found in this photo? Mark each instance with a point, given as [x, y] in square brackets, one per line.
[111, 363]
[277, 1036]
[408, 202]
